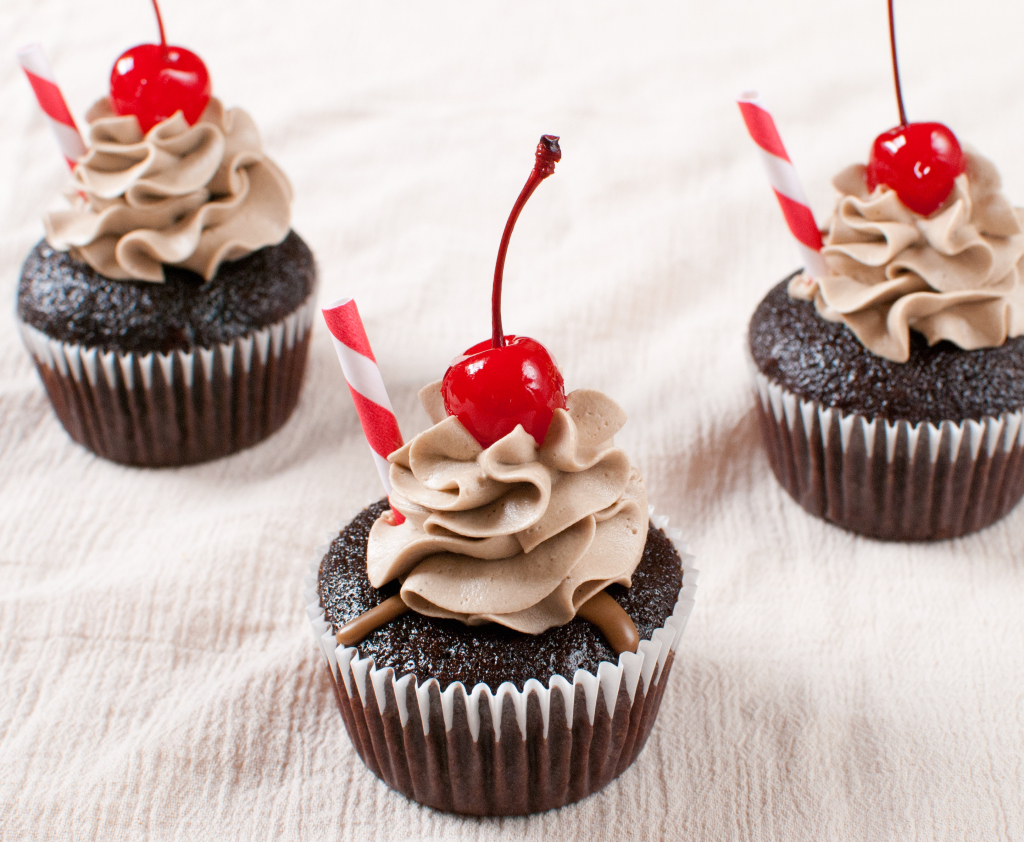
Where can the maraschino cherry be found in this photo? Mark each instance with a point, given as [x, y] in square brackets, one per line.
[920, 161]
[153, 81]
[506, 381]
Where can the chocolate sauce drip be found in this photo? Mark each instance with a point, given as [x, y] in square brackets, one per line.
[355, 631]
[615, 624]
[451, 651]
[601, 610]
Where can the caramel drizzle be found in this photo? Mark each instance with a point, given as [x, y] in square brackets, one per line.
[612, 621]
[601, 610]
[358, 629]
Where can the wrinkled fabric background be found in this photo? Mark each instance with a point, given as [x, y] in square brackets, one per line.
[157, 675]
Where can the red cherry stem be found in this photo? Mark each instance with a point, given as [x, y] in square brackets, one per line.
[895, 65]
[160, 24]
[548, 154]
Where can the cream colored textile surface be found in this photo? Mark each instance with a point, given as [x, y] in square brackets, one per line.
[157, 675]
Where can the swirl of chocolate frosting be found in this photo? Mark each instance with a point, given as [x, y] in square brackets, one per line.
[515, 534]
[955, 275]
[190, 196]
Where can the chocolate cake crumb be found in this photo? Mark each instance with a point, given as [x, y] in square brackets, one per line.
[823, 361]
[452, 651]
[68, 300]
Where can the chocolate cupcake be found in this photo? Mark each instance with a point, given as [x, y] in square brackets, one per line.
[168, 312]
[500, 637]
[891, 388]
[504, 650]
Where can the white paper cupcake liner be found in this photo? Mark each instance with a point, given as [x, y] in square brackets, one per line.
[503, 752]
[177, 408]
[892, 480]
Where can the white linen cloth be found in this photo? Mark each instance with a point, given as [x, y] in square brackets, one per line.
[158, 676]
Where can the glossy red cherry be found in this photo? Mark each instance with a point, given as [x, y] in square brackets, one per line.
[920, 161]
[507, 380]
[153, 81]
[492, 390]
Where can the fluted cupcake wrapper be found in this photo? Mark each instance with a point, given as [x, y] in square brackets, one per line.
[502, 752]
[895, 481]
[177, 408]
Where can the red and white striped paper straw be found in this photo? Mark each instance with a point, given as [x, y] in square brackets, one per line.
[785, 182]
[51, 100]
[380, 426]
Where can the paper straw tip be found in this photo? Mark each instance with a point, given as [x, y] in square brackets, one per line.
[334, 305]
[32, 58]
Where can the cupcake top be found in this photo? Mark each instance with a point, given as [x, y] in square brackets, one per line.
[515, 508]
[515, 533]
[451, 651]
[185, 195]
[953, 275]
